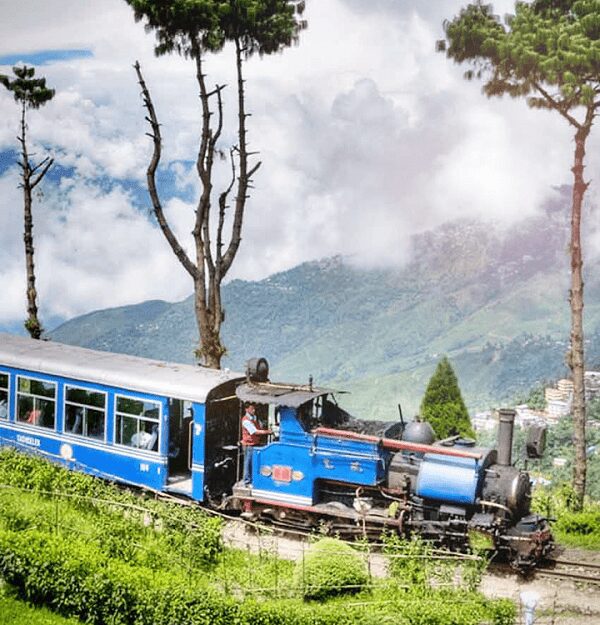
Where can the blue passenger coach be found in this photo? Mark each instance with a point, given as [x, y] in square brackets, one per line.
[154, 424]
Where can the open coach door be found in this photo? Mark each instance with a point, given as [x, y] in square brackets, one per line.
[180, 452]
[216, 436]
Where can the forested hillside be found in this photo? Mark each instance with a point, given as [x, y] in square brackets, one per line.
[495, 301]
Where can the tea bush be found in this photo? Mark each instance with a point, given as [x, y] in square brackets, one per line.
[33, 473]
[151, 563]
[75, 579]
[331, 567]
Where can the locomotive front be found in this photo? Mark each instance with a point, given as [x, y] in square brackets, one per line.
[474, 495]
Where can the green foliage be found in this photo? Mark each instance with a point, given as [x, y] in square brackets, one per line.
[443, 406]
[74, 579]
[187, 529]
[410, 562]
[413, 563]
[577, 528]
[535, 398]
[542, 45]
[17, 612]
[29, 91]
[330, 568]
[189, 27]
[62, 561]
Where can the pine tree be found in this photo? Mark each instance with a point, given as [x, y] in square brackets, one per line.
[30, 93]
[548, 52]
[443, 406]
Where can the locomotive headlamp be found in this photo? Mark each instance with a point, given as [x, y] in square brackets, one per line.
[257, 370]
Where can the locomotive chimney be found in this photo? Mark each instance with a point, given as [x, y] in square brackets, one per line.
[505, 436]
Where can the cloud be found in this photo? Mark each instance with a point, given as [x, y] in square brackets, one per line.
[365, 133]
[93, 249]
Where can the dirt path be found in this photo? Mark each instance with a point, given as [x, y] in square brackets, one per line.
[560, 602]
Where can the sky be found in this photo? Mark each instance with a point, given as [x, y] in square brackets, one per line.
[366, 134]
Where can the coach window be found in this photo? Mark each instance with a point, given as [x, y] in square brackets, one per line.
[36, 402]
[137, 423]
[3, 396]
[85, 412]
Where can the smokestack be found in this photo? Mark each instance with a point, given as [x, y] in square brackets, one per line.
[505, 435]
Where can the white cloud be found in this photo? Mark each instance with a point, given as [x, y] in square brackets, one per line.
[366, 134]
[92, 250]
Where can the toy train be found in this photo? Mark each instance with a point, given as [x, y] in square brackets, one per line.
[176, 428]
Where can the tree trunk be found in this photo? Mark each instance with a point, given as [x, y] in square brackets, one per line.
[32, 324]
[211, 349]
[576, 354]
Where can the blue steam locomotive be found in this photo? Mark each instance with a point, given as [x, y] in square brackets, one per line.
[176, 428]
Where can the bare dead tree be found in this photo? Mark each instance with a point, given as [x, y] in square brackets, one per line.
[213, 259]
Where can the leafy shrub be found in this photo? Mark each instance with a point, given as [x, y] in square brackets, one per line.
[410, 561]
[331, 567]
[584, 523]
[75, 579]
[571, 527]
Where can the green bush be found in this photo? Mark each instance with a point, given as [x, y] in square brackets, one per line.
[409, 561]
[331, 567]
[571, 527]
[74, 579]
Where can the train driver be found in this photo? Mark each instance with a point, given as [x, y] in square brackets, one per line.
[252, 436]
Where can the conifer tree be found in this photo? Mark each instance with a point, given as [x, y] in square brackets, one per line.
[30, 93]
[549, 53]
[443, 406]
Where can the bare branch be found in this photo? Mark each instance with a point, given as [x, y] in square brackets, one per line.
[40, 164]
[243, 179]
[556, 105]
[222, 210]
[151, 179]
[44, 171]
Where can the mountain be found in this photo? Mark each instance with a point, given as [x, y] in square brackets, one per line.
[495, 301]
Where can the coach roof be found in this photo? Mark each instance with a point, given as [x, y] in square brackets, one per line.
[143, 375]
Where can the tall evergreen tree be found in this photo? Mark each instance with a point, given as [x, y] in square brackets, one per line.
[549, 53]
[30, 93]
[194, 28]
[443, 406]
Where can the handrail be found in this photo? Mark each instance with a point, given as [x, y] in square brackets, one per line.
[389, 443]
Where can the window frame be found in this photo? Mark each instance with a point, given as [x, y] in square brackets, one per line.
[7, 390]
[117, 413]
[54, 400]
[86, 407]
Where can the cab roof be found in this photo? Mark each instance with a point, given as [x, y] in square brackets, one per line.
[283, 395]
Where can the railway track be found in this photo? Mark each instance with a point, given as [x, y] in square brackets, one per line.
[584, 572]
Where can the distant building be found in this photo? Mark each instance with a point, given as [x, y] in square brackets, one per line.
[592, 384]
[527, 416]
[559, 462]
[558, 400]
[483, 421]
